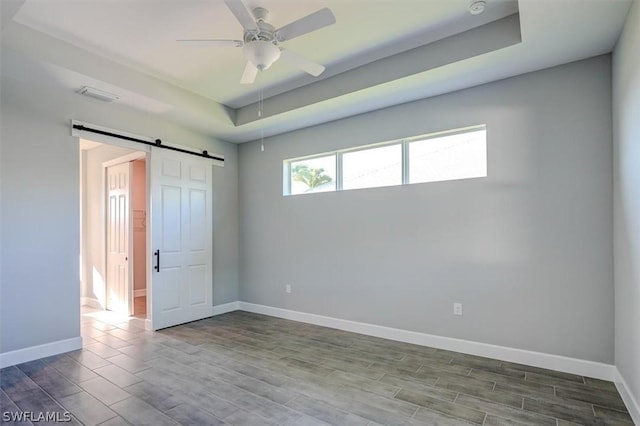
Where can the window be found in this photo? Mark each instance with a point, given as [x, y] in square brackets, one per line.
[372, 167]
[313, 175]
[451, 155]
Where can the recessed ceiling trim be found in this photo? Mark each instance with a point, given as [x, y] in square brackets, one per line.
[487, 38]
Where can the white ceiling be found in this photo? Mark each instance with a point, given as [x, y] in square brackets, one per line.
[129, 48]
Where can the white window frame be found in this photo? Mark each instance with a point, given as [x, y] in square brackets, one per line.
[286, 183]
[406, 163]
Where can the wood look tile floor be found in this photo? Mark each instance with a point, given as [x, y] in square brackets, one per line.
[246, 369]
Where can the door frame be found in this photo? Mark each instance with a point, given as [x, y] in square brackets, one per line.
[128, 158]
[142, 151]
[146, 150]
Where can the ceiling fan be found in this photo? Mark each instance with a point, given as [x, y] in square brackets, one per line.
[261, 41]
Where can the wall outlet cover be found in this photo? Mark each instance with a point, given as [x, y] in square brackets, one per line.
[457, 309]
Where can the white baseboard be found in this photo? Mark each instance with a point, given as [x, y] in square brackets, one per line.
[91, 302]
[40, 351]
[631, 401]
[140, 293]
[224, 308]
[536, 359]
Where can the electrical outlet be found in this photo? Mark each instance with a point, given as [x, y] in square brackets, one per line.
[287, 288]
[457, 309]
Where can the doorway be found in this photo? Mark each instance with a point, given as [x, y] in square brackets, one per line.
[182, 236]
[139, 229]
[179, 227]
[113, 194]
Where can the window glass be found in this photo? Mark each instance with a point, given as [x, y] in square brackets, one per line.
[458, 154]
[313, 175]
[372, 167]
[449, 157]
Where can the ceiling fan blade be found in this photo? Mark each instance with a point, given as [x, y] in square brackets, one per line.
[301, 62]
[249, 74]
[315, 21]
[242, 14]
[206, 41]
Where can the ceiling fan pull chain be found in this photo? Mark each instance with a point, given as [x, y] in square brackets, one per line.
[260, 106]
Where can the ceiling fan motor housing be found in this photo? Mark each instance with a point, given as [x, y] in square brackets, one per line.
[265, 32]
[260, 45]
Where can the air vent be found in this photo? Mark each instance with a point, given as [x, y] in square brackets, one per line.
[100, 95]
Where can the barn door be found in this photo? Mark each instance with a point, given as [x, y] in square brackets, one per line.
[181, 238]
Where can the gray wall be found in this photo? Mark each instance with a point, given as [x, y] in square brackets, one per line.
[626, 119]
[527, 250]
[39, 192]
[39, 226]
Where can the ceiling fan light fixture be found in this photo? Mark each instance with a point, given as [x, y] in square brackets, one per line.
[261, 53]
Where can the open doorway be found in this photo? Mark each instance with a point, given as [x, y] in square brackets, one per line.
[113, 194]
[178, 224]
[139, 230]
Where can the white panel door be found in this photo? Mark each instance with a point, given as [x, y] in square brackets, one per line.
[119, 292]
[181, 238]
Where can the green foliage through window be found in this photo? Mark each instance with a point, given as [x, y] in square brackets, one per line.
[310, 176]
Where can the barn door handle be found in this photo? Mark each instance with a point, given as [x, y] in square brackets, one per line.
[157, 255]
